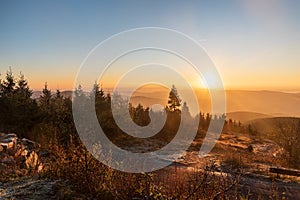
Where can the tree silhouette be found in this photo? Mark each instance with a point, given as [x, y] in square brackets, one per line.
[45, 101]
[8, 84]
[185, 110]
[19, 112]
[174, 101]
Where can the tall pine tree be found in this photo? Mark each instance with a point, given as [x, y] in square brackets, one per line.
[174, 101]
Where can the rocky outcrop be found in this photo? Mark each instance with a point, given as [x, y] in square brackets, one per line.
[8, 140]
[19, 156]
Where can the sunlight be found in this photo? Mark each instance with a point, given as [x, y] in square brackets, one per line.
[200, 83]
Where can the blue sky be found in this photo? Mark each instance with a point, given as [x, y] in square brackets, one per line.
[255, 44]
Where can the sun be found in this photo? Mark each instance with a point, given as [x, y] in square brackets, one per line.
[199, 83]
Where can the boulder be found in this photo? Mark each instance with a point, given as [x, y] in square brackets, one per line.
[8, 140]
[30, 144]
[20, 161]
[44, 153]
[31, 160]
[22, 153]
[8, 161]
[11, 135]
[250, 148]
[7, 143]
[11, 151]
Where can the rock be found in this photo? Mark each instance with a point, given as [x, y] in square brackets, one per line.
[250, 148]
[24, 152]
[34, 188]
[20, 160]
[8, 136]
[2, 167]
[18, 151]
[21, 156]
[44, 153]
[7, 143]
[8, 140]
[30, 144]
[31, 160]
[11, 135]
[11, 151]
[2, 154]
[8, 161]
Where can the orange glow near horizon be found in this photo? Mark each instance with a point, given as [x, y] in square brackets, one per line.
[264, 84]
[242, 78]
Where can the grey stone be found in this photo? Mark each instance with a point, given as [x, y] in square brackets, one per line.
[31, 160]
[8, 161]
[30, 143]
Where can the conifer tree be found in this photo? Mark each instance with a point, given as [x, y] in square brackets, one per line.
[185, 111]
[45, 101]
[174, 101]
[19, 112]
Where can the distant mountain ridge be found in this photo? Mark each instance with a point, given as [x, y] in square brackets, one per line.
[266, 102]
[245, 117]
[247, 104]
[243, 104]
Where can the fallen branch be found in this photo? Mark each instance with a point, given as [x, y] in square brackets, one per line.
[285, 171]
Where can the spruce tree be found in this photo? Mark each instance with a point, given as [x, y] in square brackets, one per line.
[174, 101]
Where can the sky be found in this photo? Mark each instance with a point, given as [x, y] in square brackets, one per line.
[254, 44]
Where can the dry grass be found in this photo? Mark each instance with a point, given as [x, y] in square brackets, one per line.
[91, 177]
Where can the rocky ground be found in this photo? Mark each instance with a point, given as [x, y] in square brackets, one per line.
[28, 188]
[22, 161]
[19, 156]
[251, 158]
[36, 188]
